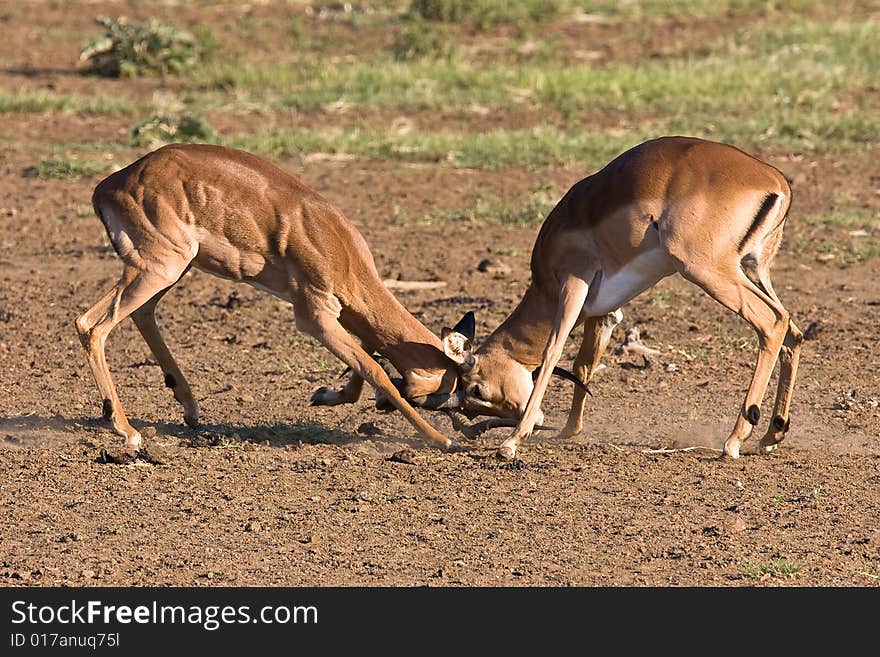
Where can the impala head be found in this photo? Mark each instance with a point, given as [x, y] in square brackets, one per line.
[491, 381]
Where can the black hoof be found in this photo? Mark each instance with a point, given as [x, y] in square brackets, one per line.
[318, 396]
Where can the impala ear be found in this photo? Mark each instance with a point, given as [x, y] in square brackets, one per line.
[458, 341]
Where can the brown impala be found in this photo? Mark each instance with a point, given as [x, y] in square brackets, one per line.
[705, 210]
[239, 217]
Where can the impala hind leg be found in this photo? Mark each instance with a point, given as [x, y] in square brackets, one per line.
[134, 289]
[789, 356]
[145, 320]
[571, 303]
[325, 327]
[770, 320]
[597, 334]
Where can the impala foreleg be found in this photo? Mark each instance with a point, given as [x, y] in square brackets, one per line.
[326, 328]
[597, 335]
[571, 303]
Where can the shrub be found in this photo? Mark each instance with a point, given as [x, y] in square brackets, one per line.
[165, 128]
[131, 48]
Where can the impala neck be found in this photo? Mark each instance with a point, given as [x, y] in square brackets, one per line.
[403, 339]
[523, 335]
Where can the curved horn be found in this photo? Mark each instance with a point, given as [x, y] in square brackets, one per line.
[565, 374]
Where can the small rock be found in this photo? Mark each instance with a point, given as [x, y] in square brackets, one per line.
[253, 526]
[403, 456]
[812, 331]
[315, 498]
[245, 399]
[369, 429]
[87, 574]
[671, 367]
[148, 433]
[117, 455]
[735, 525]
[202, 440]
[497, 267]
[152, 453]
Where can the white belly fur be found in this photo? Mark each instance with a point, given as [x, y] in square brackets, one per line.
[614, 290]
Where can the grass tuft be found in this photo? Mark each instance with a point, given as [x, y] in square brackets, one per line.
[418, 40]
[67, 168]
[776, 567]
[483, 14]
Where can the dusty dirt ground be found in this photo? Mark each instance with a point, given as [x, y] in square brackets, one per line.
[271, 491]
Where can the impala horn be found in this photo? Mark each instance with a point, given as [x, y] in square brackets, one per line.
[438, 401]
[565, 374]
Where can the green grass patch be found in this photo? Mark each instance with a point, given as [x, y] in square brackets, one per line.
[482, 14]
[701, 8]
[800, 66]
[531, 210]
[842, 235]
[37, 102]
[417, 40]
[864, 218]
[843, 253]
[776, 567]
[544, 146]
[499, 149]
[68, 168]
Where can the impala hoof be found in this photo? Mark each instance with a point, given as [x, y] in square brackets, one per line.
[506, 453]
[323, 396]
[191, 420]
[767, 444]
[731, 451]
[567, 434]
[456, 448]
[134, 441]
